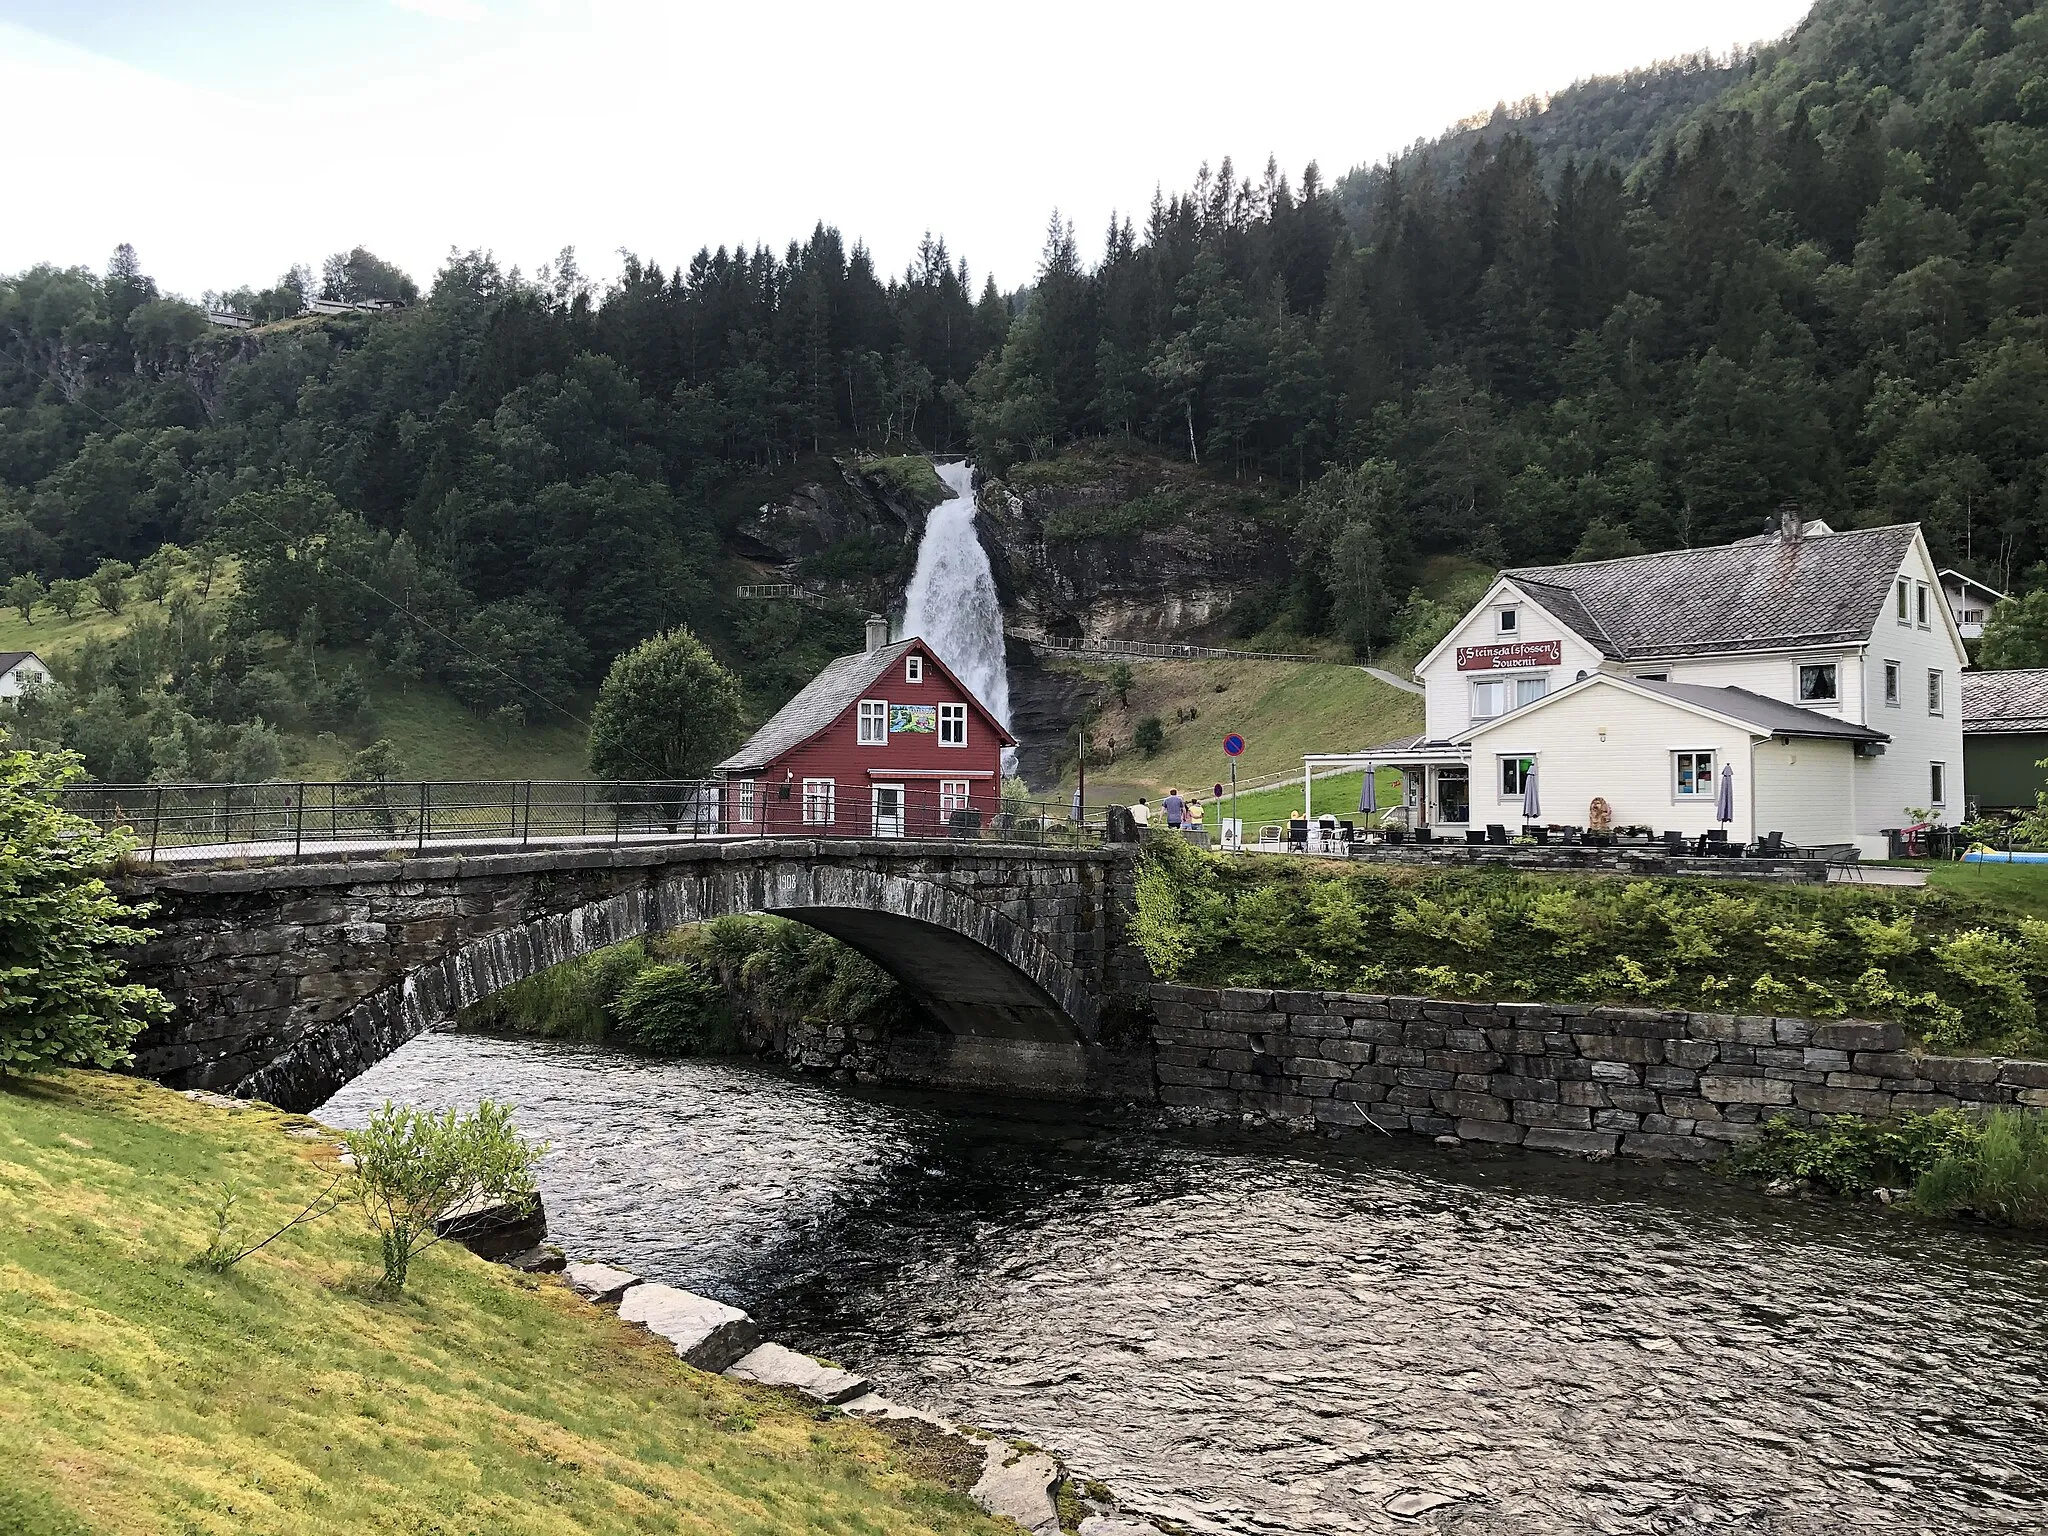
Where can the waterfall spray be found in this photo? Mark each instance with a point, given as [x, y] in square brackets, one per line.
[952, 603]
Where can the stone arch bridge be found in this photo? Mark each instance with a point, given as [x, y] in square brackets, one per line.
[292, 977]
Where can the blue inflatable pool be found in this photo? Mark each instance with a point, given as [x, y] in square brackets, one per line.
[1993, 856]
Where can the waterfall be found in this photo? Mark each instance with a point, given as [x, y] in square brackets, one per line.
[952, 603]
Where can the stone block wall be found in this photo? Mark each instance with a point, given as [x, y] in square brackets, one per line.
[1636, 1081]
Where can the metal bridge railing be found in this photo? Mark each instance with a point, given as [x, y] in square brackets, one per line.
[189, 822]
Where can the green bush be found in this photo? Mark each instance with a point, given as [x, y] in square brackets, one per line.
[62, 999]
[414, 1167]
[674, 1009]
[1853, 1156]
[570, 1001]
[1960, 973]
[1150, 735]
[2000, 1174]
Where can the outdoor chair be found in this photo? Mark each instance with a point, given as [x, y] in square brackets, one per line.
[1674, 842]
[1497, 834]
[1538, 835]
[1474, 836]
[965, 822]
[1424, 835]
[1297, 836]
[1270, 835]
[1396, 836]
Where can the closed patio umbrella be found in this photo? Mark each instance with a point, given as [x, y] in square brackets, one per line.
[1532, 804]
[1369, 792]
[1724, 796]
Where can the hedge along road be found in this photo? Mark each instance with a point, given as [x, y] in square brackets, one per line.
[1307, 1337]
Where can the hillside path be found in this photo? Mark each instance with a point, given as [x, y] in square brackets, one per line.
[1392, 680]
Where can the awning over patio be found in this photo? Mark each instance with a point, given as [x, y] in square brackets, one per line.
[1417, 752]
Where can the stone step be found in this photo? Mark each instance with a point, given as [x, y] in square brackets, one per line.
[771, 1365]
[707, 1334]
[600, 1283]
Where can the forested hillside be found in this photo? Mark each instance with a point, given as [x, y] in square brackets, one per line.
[1823, 278]
[498, 489]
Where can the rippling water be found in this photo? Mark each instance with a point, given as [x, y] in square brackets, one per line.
[1310, 1337]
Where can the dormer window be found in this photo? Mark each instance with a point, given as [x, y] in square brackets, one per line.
[1902, 601]
[1920, 604]
[913, 669]
[1510, 621]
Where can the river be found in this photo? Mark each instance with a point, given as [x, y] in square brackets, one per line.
[1304, 1336]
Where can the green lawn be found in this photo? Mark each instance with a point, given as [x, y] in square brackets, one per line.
[2019, 887]
[141, 1395]
[1338, 796]
[438, 738]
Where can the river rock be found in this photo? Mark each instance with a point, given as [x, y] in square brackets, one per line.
[707, 1334]
[1117, 1525]
[546, 1259]
[771, 1365]
[599, 1282]
[1020, 1484]
[492, 1229]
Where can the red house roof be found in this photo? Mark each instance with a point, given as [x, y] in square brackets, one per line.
[828, 696]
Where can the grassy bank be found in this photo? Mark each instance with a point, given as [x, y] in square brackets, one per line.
[138, 1394]
[1991, 1168]
[1282, 709]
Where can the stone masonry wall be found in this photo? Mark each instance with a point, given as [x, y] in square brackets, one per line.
[1637, 1081]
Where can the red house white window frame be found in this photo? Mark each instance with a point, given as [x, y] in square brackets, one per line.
[952, 725]
[871, 723]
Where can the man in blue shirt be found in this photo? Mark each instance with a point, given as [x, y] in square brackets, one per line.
[1175, 808]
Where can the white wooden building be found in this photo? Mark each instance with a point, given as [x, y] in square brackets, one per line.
[1824, 667]
[21, 671]
[1970, 600]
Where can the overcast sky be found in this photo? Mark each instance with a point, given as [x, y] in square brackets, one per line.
[228, 139]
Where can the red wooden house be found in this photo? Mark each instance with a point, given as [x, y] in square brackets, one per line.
[886, 743]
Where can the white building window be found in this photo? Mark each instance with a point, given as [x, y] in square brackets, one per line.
[953, 796]
[1818, 683]
[1934, 700]
[1891, 684]
[1495, 696]
[952, 725]
[1937, 784]
[1920, 603]
[821, 797]
[913, 669]
[1902, 601]
[1694, 774]
[1515, 773]
[874, 722]
[742, 802]
[1970, 616]
[1510, 621]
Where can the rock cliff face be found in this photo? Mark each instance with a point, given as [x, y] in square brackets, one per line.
[1117, 555]
[855, 536]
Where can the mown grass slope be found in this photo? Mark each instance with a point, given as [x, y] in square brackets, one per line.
[1282, 709]
[138, 1394]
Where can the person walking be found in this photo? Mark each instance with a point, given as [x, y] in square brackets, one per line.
[1141, 814]
[1175, 808]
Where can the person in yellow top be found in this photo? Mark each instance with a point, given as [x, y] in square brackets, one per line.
[1194, 816]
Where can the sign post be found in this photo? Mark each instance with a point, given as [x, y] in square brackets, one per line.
[1233, 745]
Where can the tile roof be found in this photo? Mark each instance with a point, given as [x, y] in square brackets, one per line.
[828, 695]
[816, 705]
[9, 660]
[1766, 714]
[1756, 594]
[2005, 701]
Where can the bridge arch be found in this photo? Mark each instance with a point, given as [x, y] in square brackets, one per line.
[1009, 958]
